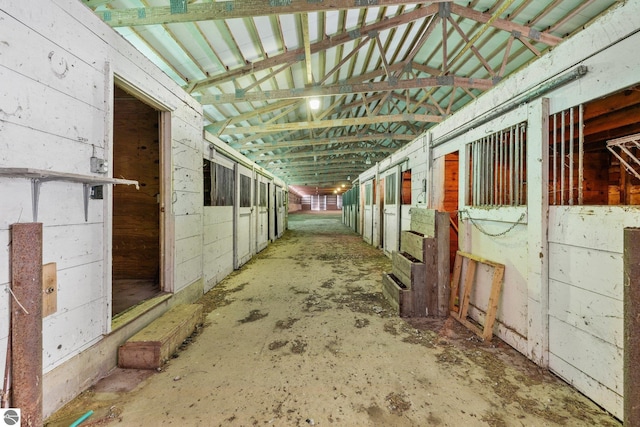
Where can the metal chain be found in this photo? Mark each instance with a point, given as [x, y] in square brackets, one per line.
[483, 231]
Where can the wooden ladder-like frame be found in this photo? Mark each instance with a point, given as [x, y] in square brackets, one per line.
[459, 312]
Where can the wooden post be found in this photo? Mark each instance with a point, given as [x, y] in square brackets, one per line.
[26, 321]
[631, 327]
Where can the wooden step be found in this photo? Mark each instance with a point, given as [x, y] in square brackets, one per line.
[397, 295]
[153, 346]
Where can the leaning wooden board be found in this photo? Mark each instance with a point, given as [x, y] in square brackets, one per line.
[459, 312]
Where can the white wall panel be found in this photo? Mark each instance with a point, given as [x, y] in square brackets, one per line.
[587, 359]
[590, 312]
[67, 333]
[587, 268]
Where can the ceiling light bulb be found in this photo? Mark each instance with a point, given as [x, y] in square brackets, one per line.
[314, 103]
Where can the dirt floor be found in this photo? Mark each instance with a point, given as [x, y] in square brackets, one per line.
[302, 336]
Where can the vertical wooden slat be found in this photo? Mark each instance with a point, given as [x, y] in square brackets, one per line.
[455, 282]
[468, 284]
[492, 306]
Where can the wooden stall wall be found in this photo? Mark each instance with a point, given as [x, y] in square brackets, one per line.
[59, 62]
[585, 299]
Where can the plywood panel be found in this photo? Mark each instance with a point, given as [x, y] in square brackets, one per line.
[136, 236]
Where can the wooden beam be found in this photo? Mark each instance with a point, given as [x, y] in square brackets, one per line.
[503, 24]
[295, 55]
[352, 167]
[307, 47]
[324, 141]
[323, 153]
[233, 9]
[340, 89]
[279, 127]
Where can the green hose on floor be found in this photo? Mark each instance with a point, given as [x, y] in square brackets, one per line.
[77, 422]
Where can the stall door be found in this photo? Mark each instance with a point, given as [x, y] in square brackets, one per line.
[367, 224]
[262, 218]
[391, 211]
[244, 212]
[279, 210]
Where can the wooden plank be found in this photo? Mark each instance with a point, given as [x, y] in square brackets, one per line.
[492, 307]
[468, 284]
[412, 243]
[443, 264]
[455, 284]
[152, 346]
[496, 287]
[49, 289]
[423, 221]
[401, 299]
[216, 11]
[428, 292]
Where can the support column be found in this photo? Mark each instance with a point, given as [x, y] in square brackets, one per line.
[26, 321]
[537, 231]
[631, 327]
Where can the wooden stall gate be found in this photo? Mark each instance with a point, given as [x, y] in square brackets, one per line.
[418, 285]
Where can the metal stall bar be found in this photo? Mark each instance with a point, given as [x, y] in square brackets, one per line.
[523, 155]
[562, 127]
[555, 159]
[571, 138]
[580, 154]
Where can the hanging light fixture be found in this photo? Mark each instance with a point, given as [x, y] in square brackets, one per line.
[314, 103]
[367, 161]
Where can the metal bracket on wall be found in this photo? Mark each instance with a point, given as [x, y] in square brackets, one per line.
[38, 176]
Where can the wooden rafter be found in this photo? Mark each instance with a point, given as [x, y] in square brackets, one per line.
[320, 153]
[329, 90]
[295, 55]
[331, 123]
[541, 36]
[324, 141]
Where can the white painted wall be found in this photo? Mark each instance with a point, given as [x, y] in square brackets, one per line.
[218, 244]
[58, 66]
[585, 298]
[561, 303]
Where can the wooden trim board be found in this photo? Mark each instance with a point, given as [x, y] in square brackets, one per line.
[459, 312]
